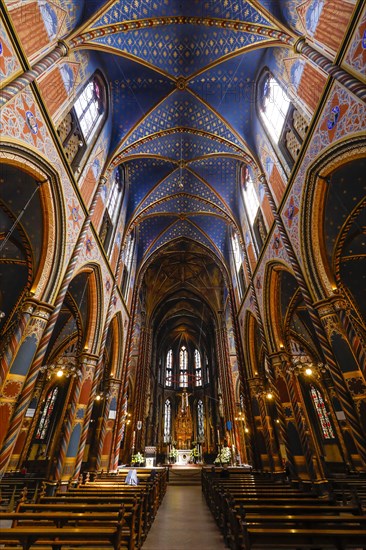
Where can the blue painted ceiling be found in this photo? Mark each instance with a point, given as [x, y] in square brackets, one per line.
[182, 79]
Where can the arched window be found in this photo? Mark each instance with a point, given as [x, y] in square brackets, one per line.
[275, 106]
[249, 195]
[198, 368]
[45, 419]
[79, 126]
[128, 255]
[200, 422]
[167, 421]
[89, 108]
[113, 208]
[237, 253]
[169, 368]
[285, 124]
[183, 367]
[322, 413]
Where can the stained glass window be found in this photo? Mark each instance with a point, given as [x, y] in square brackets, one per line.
[200, 423]
[167, 421]
[197, 366]
[129, 251]
[169, 367]
[46, 415]
[183, 367]
[322, 413]
[250, 195]
[115, 197]
[89, 108]
[207, 372]
[275, 105]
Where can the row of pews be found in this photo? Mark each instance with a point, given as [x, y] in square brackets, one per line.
[257, 513]
[102, 514]
[13, 486]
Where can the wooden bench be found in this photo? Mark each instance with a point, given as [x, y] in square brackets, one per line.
[133, 528]
[260, 538]
[59, 519]
[87, 537]
[253, 514]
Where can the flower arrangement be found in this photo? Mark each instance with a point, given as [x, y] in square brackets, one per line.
[138, 458]
[173, 453]
[224, 456]
[194, 453]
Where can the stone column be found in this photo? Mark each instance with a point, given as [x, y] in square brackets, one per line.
[74, 419]
[347, 346]
[302, 422]
[10, 344]
[143, 372]
[269, 371]
[107, 426]
[20, 381]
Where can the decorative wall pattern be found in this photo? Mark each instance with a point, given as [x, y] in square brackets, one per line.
[343, 115]
[9, 64]
[22, 121]
[355, 57]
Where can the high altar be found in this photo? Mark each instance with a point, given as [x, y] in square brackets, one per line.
[183, 428]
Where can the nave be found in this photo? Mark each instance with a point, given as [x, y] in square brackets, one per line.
[182, 268]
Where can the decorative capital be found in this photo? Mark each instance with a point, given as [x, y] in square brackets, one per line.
[299, 44]
[64, 47]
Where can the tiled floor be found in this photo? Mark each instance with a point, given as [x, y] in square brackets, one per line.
[184, 522]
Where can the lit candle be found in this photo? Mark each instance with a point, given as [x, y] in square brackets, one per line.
[133, 438]
[218, 436]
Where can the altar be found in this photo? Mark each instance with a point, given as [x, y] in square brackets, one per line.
[184, 456]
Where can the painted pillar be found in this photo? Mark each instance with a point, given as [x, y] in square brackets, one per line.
[226, 379]
[18, 386]
[22, 81]
[302, 422]
[122, 401]
[143, 372]
[25, 437]
[230, 386]
[269, 373]
[247, 442]
[73, 422]
[12, 339]
[334, 313]
[107, 426]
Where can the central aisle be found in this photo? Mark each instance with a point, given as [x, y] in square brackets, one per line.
[184, 521]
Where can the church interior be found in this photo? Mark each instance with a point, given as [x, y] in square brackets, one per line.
[183, 229]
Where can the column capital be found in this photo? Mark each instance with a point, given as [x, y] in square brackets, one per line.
[88, 359]
[299, 44]
[328, 310]
[65, 48]
[35, 307]
[336, 302]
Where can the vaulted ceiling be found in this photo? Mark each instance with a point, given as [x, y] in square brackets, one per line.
[182, 79]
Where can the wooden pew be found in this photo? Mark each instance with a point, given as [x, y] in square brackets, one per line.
[133, 511]
[295, 519]
[86, 537]
[260, 538]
